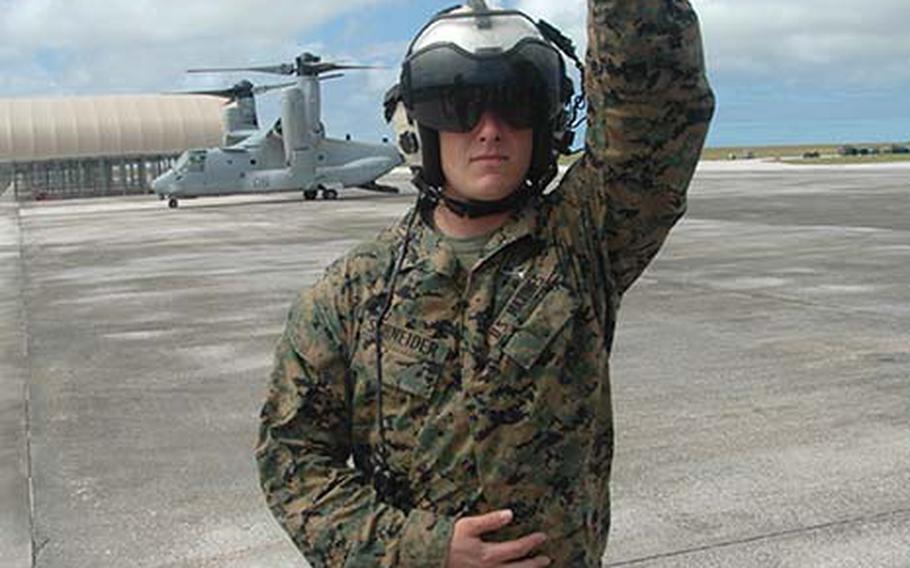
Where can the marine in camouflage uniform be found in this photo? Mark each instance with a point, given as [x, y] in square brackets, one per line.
[496, 389]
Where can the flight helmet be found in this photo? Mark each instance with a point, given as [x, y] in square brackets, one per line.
[471, 59]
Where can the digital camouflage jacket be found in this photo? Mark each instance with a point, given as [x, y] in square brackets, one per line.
[496, 387]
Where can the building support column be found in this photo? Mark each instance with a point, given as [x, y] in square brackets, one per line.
[105, 176]
[15, 181]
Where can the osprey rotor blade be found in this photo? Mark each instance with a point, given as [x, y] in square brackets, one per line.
[221, 93]
[305, 64]
[266, 88]
[283, 69]
[243, 89]
[319, 68]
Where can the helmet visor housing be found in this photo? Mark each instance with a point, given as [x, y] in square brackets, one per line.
[459, 70]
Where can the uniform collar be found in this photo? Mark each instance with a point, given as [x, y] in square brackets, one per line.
[520, 225]
[428, 251]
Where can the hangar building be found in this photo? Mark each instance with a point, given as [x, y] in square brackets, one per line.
[58, 147]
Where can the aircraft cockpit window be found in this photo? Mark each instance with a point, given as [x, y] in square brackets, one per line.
[196, 162]
[180, 165]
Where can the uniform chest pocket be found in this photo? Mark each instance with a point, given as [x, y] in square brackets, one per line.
[549, 318]
[411, 362]
[404, 373]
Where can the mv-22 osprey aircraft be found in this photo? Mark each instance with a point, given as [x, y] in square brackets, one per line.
[293, 154]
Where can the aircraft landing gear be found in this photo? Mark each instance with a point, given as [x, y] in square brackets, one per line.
[310, 194]
[329, 194]
[172, 203]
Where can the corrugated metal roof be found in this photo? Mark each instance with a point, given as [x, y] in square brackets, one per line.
[80, 127]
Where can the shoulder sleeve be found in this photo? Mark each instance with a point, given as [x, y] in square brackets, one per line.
[328, 507]
[649, 106]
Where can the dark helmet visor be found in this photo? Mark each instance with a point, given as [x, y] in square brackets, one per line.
[449, 89]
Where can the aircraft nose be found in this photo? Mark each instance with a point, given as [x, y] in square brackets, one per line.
[161, 183]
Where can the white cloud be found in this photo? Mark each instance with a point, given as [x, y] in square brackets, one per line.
[136, 45]
[115, 46]
[89, 24]
[810, 39]
[804, 40]
[103, 46]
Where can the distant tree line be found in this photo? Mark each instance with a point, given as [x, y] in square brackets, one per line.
[849, 150]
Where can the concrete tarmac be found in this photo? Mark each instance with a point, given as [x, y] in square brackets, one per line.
[15, 542]
[761, 374]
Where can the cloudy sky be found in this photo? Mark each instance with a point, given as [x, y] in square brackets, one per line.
[784, 70]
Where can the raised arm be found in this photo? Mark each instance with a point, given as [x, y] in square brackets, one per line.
[649, 105]
[329, 509]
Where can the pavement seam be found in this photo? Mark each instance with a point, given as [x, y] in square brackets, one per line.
[26, 353]
[759, 538]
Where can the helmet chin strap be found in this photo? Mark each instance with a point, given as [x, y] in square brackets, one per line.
[471, 208]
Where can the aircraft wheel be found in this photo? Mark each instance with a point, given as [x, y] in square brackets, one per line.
[172, 203]
[329, 194]
[310, 194]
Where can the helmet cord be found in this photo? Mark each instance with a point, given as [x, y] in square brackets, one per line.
[565, 45]
[389, 486]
